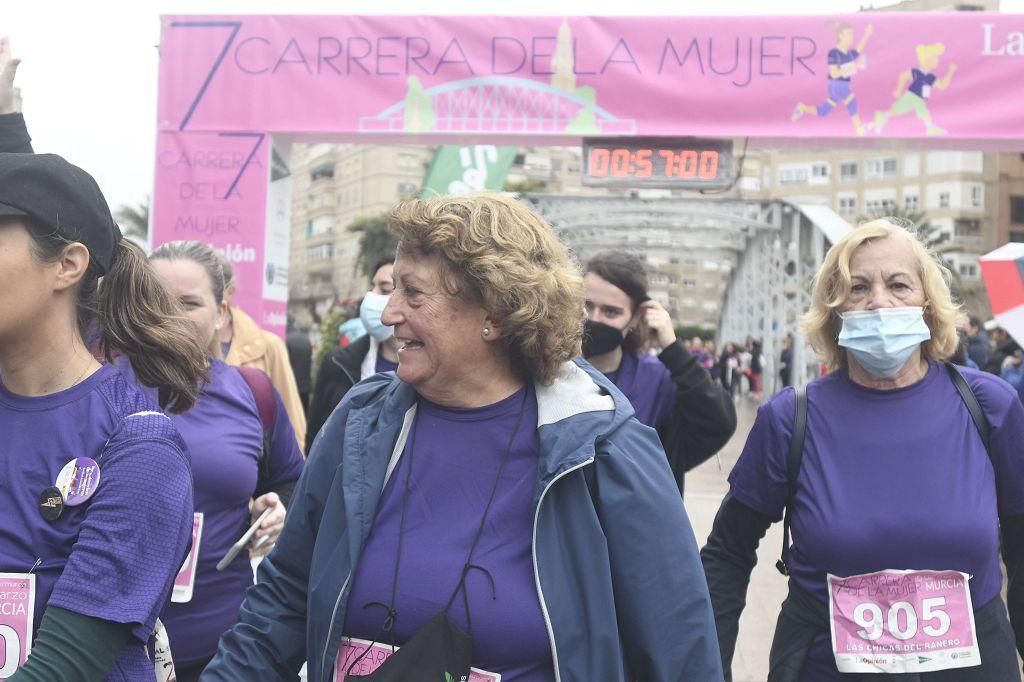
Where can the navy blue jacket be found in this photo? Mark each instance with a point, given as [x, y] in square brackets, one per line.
[618, 574]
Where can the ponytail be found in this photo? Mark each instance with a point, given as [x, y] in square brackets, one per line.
[139, 319]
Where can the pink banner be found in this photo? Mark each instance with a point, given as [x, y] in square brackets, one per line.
[227, 83]
[548, 76]
[213, 187]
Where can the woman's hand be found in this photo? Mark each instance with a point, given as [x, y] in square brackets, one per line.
[271, 526]
[8, 69]
[660, 322]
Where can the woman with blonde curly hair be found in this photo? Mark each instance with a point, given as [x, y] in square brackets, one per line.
[898, 472]
[493, 504]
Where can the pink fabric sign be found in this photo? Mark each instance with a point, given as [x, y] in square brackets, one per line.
[213, 187]
[548, 76]
[902, 622]
[226, 82]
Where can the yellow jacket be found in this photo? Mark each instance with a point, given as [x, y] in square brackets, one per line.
[255, 347]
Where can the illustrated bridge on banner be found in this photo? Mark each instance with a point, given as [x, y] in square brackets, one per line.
[776, 248]
[497, 104]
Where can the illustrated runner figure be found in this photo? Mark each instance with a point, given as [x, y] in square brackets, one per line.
[921, 80]
[843, 62]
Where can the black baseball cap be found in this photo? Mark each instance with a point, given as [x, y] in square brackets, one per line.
[61, 197]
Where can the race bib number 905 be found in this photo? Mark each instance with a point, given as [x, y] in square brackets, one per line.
[902, 622]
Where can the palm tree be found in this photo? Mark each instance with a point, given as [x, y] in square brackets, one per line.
[134, 220]
[375, 241]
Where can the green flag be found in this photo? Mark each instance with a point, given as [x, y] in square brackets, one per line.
[460, 170]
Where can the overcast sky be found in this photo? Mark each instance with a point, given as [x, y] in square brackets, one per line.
[88, 75]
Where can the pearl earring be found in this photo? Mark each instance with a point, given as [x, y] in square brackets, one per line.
[487, 331]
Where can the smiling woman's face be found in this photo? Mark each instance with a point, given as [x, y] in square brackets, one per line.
[440, 335]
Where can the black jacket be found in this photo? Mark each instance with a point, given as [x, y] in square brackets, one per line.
[995, 361]
[339, 371]
[704, 418]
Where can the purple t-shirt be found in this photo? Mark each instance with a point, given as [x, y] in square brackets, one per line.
[648, 384]
[457, 456]
[921, 81]
[889, 480]
[385, 365]
[225, 438]
[837, 57]
[143, 501]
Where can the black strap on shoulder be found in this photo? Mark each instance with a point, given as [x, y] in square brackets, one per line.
[973, 406]
[793, 459]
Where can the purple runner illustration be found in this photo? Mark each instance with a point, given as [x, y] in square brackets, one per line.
[843, 62]
[921, 81]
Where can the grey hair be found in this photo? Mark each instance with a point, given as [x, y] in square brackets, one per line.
[201, 254]
[900, 221]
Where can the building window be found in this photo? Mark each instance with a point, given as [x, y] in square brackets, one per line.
[819, 170]
[943, 199]
[1017, 210]
[404, 189]
[911, 203]
[689, 284]
[878, 169]
[977, 196]
[321, 172]
[880, 206]
[1016, 236]
[793, 176]
[848, 171]
[966, 227]
[968, 270]
[847, 205]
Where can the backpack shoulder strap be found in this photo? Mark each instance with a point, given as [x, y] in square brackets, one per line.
[973, 406]
[263, 392]
[266, 406]
[793, 460]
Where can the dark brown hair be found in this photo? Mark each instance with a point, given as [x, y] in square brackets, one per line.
[627, 272]
[134, 315]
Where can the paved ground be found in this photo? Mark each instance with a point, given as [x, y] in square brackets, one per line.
[705, 487]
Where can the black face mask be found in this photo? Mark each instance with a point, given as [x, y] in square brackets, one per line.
[600, 338]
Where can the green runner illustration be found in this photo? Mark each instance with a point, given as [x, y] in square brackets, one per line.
[921, 80]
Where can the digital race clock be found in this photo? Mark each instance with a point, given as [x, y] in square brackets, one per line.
[680, 163]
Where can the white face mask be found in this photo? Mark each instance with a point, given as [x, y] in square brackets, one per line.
[883, 340]
[370, 311]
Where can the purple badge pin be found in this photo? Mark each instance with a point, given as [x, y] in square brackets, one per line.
[78, 480]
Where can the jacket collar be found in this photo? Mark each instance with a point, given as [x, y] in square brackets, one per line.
[573, 413]
[247, 341]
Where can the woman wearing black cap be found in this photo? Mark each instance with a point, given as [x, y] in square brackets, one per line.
[672, 392]
[96, 481]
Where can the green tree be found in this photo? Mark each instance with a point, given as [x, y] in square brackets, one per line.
[525, 186]
[375, 241]
[134, 220]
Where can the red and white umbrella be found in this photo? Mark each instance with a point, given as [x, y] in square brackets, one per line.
[1003, 273]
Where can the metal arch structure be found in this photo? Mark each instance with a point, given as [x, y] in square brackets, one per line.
[776, 248]
[501, 104]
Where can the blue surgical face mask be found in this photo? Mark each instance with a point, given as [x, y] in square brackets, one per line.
[370, 312]
[883, 340]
